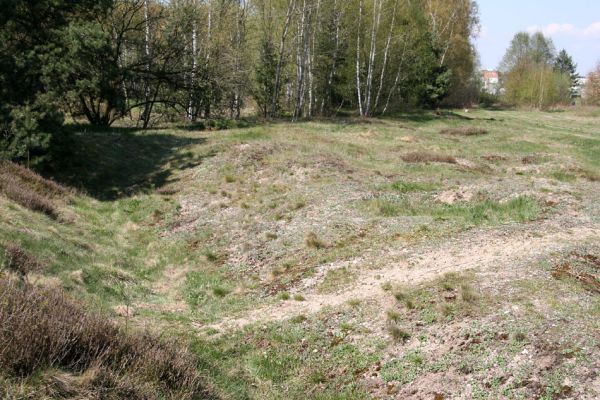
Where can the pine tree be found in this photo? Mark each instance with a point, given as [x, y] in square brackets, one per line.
[564, 64]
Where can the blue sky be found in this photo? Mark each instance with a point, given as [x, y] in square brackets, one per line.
[573, 25]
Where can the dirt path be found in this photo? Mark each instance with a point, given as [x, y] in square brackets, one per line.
[500, 252]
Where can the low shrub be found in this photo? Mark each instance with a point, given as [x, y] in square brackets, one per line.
[19, 261]
[43, 330]
[29, 189]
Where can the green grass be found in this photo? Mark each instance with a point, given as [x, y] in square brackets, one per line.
[520, 209]
[408, 187]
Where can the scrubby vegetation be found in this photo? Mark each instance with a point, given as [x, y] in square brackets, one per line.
[54, 348]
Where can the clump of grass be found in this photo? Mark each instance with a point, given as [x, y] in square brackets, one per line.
[563, 176]
[464, 131]
[447, 310]
[298, 319]
[397, 333]
[299, 297]
[298, 205]
[19, 261]
[354, 303]
[426, 157]
[387, 286]
[313, 241]
[284, 296]
[393, 315]
[408, 187]
[400, 295]
[230, 178]
[404, 298]
[219, 291]
[211, 256]
[467, 293]
[43, 330]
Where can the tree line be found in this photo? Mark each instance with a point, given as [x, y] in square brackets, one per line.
[535, 75]
[149, 61]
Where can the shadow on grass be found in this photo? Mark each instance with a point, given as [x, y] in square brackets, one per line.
[118, 162]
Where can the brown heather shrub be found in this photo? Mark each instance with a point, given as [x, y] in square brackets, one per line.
[464, 131]
[43, 186]
[29, 189]
[19, 261]
[43, 330]
[424, 157]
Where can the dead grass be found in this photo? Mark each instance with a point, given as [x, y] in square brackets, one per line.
[464, 131]
[584, 268]
[19, 261]
[44, 330]
[426, 157]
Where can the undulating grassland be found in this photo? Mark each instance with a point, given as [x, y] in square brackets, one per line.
[411, 257]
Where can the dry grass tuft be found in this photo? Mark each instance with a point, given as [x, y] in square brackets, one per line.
[19, 261]
[43, 330]
[464, 131]
[397, 333]
[313, 241]
[30, 190]
[425, 157]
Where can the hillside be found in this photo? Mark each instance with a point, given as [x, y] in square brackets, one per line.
[451, 255]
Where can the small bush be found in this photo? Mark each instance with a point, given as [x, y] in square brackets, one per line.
[424, 157]
[19, 261]
[464, 131]
[44, 330]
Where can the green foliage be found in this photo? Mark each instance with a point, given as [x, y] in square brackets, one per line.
[565, 65]
[265, 76]
[527, 49]
[537, 86]
[32, 55]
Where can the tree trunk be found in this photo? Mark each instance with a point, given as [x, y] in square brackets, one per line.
[146, 113]
[358, 84]
[373, 50]
[194, 39]
[385, 58]
[278, 70]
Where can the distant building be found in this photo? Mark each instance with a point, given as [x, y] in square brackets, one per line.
[491, 81]
[579, 89]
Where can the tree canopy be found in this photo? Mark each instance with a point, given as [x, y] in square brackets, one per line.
[149, 61]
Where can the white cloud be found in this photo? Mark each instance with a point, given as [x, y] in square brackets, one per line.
[556, 29]
[592, 30]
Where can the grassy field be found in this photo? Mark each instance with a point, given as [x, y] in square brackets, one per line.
[442, 256]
